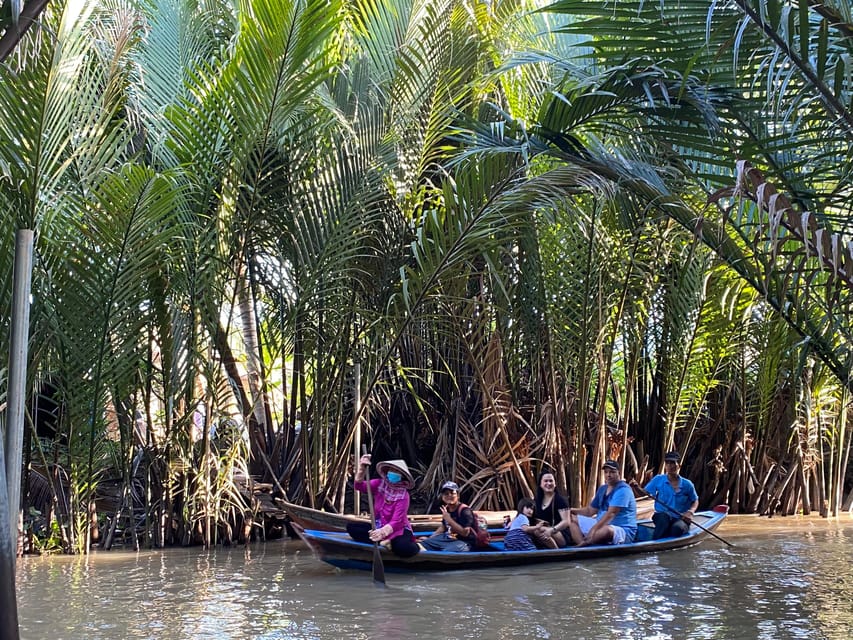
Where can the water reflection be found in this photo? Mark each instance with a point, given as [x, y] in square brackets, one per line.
[783, 579]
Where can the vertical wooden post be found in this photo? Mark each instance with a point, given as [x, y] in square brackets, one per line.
[15, 393]
[8, 551]
[12, 441]
[356, 447]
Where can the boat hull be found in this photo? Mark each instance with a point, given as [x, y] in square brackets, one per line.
[339, 550]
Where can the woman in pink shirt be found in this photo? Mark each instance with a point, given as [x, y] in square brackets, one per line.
[391, 505]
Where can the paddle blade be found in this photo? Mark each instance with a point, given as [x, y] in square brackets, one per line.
[378, 567]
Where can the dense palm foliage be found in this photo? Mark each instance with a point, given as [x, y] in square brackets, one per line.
[771, 85]
[478, 236]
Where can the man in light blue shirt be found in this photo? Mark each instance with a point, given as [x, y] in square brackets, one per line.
[611, 517]
[675, 499]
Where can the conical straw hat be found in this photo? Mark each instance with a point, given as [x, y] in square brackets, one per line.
[397, 465]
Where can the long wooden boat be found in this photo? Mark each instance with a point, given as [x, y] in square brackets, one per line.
[339, 550]
[316, 520]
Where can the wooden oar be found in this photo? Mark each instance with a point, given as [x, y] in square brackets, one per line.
[378, 567]
[678, 515]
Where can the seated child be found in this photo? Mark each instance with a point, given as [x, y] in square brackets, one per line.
[517, 538]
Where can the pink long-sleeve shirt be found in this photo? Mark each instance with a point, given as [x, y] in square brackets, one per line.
[393, 513]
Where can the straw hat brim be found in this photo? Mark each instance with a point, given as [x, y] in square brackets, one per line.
[400, 467]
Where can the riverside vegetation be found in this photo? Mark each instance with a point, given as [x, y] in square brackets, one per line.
[483, 237]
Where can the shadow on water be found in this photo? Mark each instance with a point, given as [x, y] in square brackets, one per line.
[785, 578]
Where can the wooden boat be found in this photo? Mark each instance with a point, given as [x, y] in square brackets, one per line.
[316, 520]
[339, 550]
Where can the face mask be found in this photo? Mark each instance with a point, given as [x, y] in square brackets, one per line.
[393, 477]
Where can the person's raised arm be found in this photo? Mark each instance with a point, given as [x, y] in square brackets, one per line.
[363, 464]
[442, 527]
[459, 528]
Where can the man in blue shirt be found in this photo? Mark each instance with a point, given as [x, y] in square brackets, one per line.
[675, 499]
[614, 510]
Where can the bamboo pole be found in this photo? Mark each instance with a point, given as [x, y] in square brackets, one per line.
[14, 435]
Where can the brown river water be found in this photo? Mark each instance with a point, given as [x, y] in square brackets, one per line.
[784, 578]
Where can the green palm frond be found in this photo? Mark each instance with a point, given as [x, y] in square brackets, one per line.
[181, 37]
[104, 311]
[647, 123]
[62, 140]
[776, 74]
[60, 132]
[685, 361]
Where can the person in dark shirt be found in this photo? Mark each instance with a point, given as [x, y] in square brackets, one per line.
[551, 514]
[456, 531]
